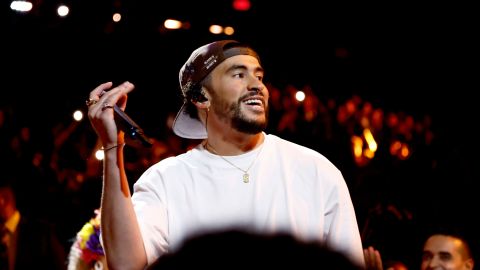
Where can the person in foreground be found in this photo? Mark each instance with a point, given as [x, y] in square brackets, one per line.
[236, 177]
[221, 250]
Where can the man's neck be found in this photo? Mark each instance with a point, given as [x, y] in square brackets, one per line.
[231, 145]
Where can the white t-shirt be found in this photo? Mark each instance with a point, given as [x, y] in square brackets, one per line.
[292, 189]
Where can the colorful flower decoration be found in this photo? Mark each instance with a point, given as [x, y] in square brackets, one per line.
[88, 241]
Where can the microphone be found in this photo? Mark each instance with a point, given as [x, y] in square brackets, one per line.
[127, 125]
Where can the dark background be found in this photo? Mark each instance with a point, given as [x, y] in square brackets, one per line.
[421, 59]
[412, 57]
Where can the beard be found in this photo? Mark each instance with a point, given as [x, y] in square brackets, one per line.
[238, 119]
[241, 123]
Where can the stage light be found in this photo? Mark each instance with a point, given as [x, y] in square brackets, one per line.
[172, 24]
[63, 10]
[241, 5]
[215, 29]
[78, 115]
[21, 6]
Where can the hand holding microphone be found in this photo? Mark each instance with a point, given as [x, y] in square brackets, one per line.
[123, 121]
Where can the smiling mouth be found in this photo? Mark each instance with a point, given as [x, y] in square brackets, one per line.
[254, 105]
[253, 102]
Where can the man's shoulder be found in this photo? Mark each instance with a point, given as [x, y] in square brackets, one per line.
[178, 160]
[296, 150]
[282, 143]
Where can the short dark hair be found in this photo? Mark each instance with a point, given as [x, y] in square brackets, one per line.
[455, 232]
[240, 249]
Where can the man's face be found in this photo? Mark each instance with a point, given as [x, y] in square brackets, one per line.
[446, 253]
[238, 96]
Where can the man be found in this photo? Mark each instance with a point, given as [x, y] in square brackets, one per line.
[444, 249]
[447, 251]
[237, 177]
[28, 243]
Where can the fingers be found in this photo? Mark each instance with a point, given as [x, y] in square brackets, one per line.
[378, 260]
[106, 106]
[97, 92]
[91, 101]
[373, 259]
[107, 98]
[368, 261]
[100, 104]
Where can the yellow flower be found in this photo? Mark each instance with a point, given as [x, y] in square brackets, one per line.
[84, 234]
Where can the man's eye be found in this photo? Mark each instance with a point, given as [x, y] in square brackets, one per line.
[445, 257]
[426, 256]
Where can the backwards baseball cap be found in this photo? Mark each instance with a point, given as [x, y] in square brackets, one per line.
[200, 63]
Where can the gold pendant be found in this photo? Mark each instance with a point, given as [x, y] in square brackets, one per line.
[245, 177]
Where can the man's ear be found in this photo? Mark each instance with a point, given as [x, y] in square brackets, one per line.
[202, 104]
[202, 101]
[469, 264]
[205, 94]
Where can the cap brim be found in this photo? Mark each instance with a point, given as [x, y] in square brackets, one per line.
[187, 127]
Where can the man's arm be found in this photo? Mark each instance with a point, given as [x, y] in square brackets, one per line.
[121, 235]
[120, 232]
[344, 232]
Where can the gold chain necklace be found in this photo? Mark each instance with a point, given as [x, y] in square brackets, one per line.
[246, 175]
